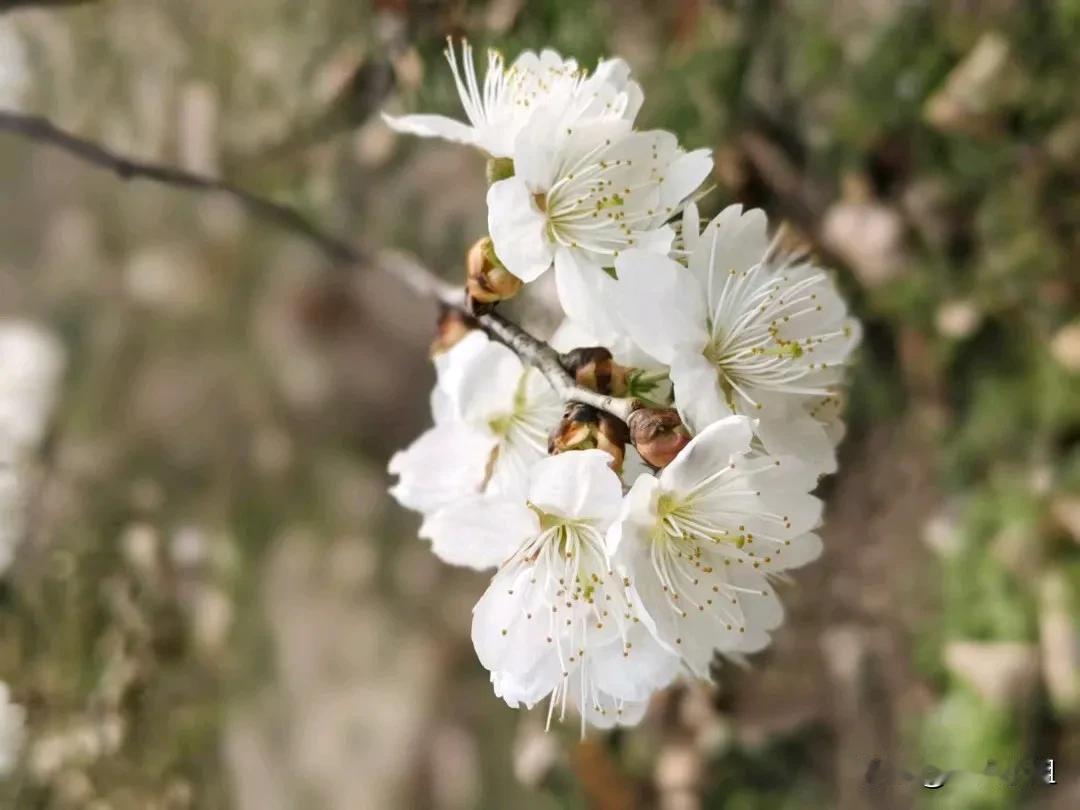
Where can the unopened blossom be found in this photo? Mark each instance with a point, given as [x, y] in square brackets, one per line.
[593, 367]
[743, 331]
[486, 280]
[501, 106]
[558, 621]
[619, 377]
[699, 541]
[581, 195]
[631, 372]
[12, 731]
[658, 434]
[584, 427]
[492, 418]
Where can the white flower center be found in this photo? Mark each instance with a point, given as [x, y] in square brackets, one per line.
[687, 547]
[698, 536]
[748, 327]
[602, 203]
[530, 417]
[583, 600]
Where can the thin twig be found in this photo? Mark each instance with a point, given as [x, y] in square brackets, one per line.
[41, 130]
[407, 269]
[402, 266]
[541, 356]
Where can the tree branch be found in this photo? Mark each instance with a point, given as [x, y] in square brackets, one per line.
[41, 130]
[402, 266]
[542, 357]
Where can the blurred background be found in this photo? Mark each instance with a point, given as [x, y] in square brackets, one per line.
[212, 603]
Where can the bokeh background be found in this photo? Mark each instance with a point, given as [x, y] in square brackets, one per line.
[217, 606]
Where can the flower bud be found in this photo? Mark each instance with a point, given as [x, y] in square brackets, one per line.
[584, 427]
[487, 281]
[594, 369]
[658, 434]
[451, 327]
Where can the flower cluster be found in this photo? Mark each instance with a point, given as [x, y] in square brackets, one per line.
[626, 553]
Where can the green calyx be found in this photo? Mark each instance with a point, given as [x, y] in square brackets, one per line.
[499, 168]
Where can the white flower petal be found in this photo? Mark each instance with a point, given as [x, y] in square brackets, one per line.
[795, 432]
[608, 712]
[732, 241]
[803, 550]
[442, 407]
[658, 304]
[481, 377]
[577, 485]
[637, 514]
[530, 689]
[537, 148]
[635, 97]
[634, 670]
[518, 229]
[698, 395]
[585, 291]
[634, 465]
[433, 126]
[31, 368]
[572, 334]
[760, 605]
[510, 629]
[655, 240]
[691, 228]
[479, 532]
[683, 177]
[514, 458]
[447, 462]
[707, 453]
[609, 91]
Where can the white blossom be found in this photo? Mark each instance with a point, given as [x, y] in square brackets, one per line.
[492, 417]
[605, 593]
[502, 106]
[14, 73]
[31, 363]
[12, 731]
[743, 331]
[558, 620]
[583, 194]
[700, 539]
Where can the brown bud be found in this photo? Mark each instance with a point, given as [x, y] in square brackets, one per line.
[487, 280]
[612, 439]
[658, 434]
[583, 427]
[594, 369]
[451, 327]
